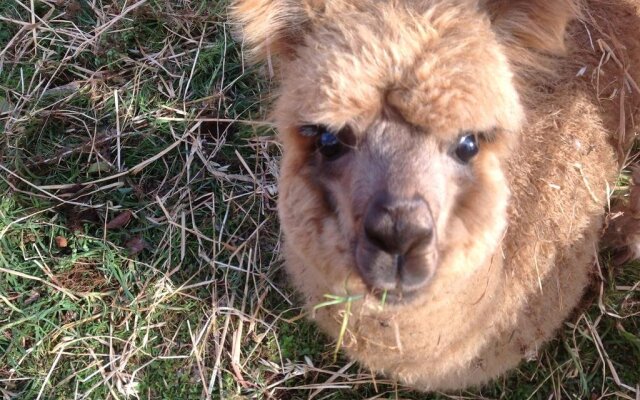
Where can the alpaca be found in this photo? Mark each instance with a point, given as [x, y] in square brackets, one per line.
[446, 168]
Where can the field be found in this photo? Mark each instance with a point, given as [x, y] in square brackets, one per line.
[139, 242]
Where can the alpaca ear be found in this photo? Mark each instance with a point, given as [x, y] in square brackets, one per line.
[269, 27]
[538, 25]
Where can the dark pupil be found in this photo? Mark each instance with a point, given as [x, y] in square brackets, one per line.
[467, 148]
[329, 145]
[328, 139]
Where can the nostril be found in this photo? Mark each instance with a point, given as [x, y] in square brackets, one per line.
[379, 230]
[420, 237]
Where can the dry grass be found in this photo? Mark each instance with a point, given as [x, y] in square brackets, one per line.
[139, 245]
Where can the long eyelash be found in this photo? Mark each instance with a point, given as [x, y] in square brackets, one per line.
[344, 134]
[488, 136]
[309, 130]
[347, 145]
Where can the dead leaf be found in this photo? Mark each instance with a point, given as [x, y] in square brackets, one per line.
[4, 106]
[61, 242]
[238, 374]
[120, 220]
[135, 245]
[34, 296]
[99, 166]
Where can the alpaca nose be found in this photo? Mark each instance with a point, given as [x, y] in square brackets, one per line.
[396, 225]
[397, 250]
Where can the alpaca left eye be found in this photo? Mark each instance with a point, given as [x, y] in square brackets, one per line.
[467, 148]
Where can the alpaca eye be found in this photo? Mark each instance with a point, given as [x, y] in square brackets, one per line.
[327, 142]
[467, 148]
[329, 145]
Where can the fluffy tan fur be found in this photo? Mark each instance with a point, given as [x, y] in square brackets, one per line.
[517, 230]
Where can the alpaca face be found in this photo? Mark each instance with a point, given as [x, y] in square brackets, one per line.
[394, 122]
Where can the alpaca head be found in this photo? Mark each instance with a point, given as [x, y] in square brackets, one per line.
[395, 119]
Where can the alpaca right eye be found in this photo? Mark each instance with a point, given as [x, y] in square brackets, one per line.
[329, 145]
[332, 145]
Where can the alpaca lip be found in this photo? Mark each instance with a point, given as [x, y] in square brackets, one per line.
[401, 276]
[395, 297]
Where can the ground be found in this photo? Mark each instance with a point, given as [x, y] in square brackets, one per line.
[139, 243]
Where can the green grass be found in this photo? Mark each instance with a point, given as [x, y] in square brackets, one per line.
[188, 298]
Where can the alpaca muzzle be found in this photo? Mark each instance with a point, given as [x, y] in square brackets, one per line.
[396, 251]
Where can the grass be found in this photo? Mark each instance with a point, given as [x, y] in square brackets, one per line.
[139, 243]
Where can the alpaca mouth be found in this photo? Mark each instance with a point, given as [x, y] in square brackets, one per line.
[394, 277]
[395, 296]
